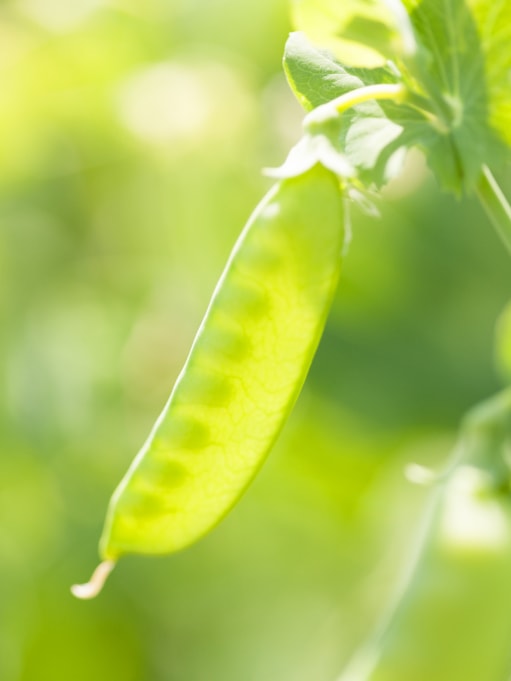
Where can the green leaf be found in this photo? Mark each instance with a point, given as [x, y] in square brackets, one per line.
[454, 78]
[362, 33]
[313, 75]
[372, 135]
[363, 133]
[493, 21]
[460, 73]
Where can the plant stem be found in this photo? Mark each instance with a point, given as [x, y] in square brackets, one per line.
[496, 205]
[330, 110]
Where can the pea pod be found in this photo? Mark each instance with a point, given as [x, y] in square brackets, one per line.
[452, 620]
[242, 376]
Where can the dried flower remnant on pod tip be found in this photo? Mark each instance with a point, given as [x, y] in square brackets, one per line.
[95, 584]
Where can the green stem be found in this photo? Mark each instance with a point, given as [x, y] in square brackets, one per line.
[326, 112]
[496, 205]
[485, 435]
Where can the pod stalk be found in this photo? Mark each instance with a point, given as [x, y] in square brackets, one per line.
[332, 110]
[496, 205]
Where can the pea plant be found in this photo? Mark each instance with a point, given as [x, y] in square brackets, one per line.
[376, 78]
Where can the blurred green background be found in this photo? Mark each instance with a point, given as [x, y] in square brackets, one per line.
[131, 140]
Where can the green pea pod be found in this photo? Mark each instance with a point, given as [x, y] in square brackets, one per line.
[242, 376]
[452, 621]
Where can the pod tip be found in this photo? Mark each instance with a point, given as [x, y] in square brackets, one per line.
[92, 588]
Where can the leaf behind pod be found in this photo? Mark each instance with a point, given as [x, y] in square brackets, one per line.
[493, 21]
[362, 33]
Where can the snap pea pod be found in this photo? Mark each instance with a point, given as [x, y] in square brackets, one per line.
[452, 621]
[242, 376]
